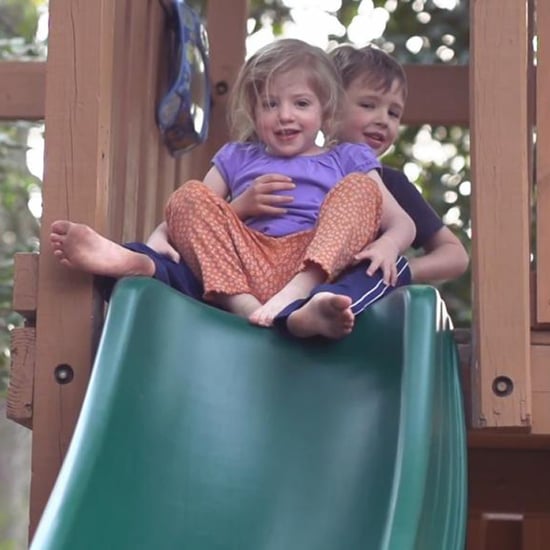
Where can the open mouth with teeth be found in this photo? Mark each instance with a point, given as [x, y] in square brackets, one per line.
[286, 132]
[375, 140]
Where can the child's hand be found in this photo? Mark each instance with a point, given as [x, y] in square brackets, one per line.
[383, 254]
[158, 241]
[259, 199]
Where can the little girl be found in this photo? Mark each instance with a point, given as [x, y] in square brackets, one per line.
[284, 97]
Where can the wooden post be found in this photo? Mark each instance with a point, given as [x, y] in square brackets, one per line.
[226, 58]
[543, 162]
[500, 208]
[22, 90]
[77, 158]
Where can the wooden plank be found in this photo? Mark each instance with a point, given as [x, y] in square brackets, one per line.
[476, 532]
[503, 531]
[226, 58]
[20, 389]
[536, 531]
[23, 89]
[150, 138]
[117, 192]
[76, 176]
[540, 337]
[134, 90]
[25, 285]
[508, 481]
[500, 439]
[500, 192]
[540, 379]
[543, 163]
[438, 94]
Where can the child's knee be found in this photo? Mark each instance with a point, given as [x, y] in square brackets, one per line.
[185, 200]
[362, 189]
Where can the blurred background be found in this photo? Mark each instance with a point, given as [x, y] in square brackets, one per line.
[435, 158]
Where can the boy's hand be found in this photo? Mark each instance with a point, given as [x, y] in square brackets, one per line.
[259, 199]
[382, 253]
[158, 241]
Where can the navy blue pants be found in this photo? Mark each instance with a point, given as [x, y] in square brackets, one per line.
[176, 275]
[363, 289]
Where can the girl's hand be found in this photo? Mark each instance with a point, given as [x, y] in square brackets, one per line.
[382, 253]
[259, 199]
[158, 241]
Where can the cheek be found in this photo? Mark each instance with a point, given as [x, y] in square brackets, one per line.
[394, 130]
[262, 124]
[352, 127]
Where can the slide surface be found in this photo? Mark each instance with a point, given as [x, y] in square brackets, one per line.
[202, 432]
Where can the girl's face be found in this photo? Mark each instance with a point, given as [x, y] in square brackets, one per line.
[372, 116]
[288, 116]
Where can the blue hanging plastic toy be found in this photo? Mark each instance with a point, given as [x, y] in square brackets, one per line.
[184, 111]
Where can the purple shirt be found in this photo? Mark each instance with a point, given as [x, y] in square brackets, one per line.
[314, 175]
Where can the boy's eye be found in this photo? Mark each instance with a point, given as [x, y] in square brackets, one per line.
[395, 114]
[367, 105]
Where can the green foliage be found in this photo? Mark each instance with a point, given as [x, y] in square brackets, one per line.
[18, 26]
[18, 227]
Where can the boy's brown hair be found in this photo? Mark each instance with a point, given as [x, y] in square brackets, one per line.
[377, 68]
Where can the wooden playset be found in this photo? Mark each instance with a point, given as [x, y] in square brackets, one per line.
[105, 165]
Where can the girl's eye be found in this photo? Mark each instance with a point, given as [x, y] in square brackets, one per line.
[367, 105]
[302, 103]
[267, 105]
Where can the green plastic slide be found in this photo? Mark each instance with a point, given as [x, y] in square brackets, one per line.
[202, 432]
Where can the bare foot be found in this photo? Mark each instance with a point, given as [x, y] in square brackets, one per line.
[298, 287]
[326, 314]
[78, 246]
[239, 304]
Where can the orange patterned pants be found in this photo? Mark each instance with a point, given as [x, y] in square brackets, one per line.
[231, 258]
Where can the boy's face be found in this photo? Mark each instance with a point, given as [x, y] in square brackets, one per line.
[371, 115]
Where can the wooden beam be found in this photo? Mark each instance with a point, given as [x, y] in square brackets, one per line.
[438, 94]
[22, 90]
[226, 58]
[76, 181]
[500, 208]
[543, 163]
[25, 285]
[20, 389]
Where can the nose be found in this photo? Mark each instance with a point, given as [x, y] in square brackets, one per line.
[381, 117]
[286, 112]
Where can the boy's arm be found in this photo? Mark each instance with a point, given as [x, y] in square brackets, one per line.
[444, 255]
[397, 234]
[445, 258]
[158, 240]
